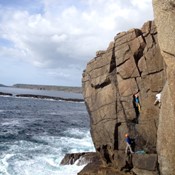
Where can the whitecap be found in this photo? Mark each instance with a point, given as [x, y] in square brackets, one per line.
[4, 163]
[11, 123]
[35, 158]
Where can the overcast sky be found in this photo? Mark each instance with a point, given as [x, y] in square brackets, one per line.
[49, 42]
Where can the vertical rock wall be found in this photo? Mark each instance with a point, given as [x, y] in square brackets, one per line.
[164, 12]
[132, 63]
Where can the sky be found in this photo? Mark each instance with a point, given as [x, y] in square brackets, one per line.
[49, 42]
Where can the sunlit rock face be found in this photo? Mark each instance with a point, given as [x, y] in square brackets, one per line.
[164, 12]
[132, 63]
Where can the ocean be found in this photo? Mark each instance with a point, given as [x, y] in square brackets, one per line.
[35, 134]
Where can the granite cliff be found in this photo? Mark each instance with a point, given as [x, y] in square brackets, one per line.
[164, 12]
[132, 63]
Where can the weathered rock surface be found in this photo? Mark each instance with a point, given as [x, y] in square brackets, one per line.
[80, 158]
[164, 12]
[144, 172]
[132, 63]
[97, 169]
[145, 161]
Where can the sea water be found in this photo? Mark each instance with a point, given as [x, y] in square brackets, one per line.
[35, 135]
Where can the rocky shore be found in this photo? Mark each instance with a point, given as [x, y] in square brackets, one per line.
[49, 97]
[5, 94]
[43, 97]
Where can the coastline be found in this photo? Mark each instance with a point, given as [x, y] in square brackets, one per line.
[49, 97]
[65, 95]
[49, 88]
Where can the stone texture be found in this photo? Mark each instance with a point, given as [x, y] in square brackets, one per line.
[95, 169]
[128, 69]
[131, 63]
[80, 158]
[144, 172]
[164, 11]
[145, 161]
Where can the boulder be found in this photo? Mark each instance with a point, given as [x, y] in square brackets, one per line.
[145, 161]
[80, 158]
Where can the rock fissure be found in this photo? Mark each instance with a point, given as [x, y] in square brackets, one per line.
[113, 62]
[103, 84]
[169, 53]
[158, 71]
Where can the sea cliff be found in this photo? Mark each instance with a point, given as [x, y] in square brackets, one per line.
[132, 63]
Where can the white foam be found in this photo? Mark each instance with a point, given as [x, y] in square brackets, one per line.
[81, 144]
[11, 123]
[44, 157]
[4, 163]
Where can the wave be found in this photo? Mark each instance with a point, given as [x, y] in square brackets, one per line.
[24, 157]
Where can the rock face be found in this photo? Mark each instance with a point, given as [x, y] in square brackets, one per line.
[164, 12]
[132, 63]
[80, 158]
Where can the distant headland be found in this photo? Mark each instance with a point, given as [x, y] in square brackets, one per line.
[47, 87]
[65, 93]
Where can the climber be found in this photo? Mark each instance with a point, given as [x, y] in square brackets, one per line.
[157, 101]
[136, 101]
[128, 144]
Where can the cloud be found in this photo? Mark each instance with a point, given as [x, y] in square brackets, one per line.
[63, 35]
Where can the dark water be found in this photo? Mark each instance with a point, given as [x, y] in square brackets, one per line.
[35, 135]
